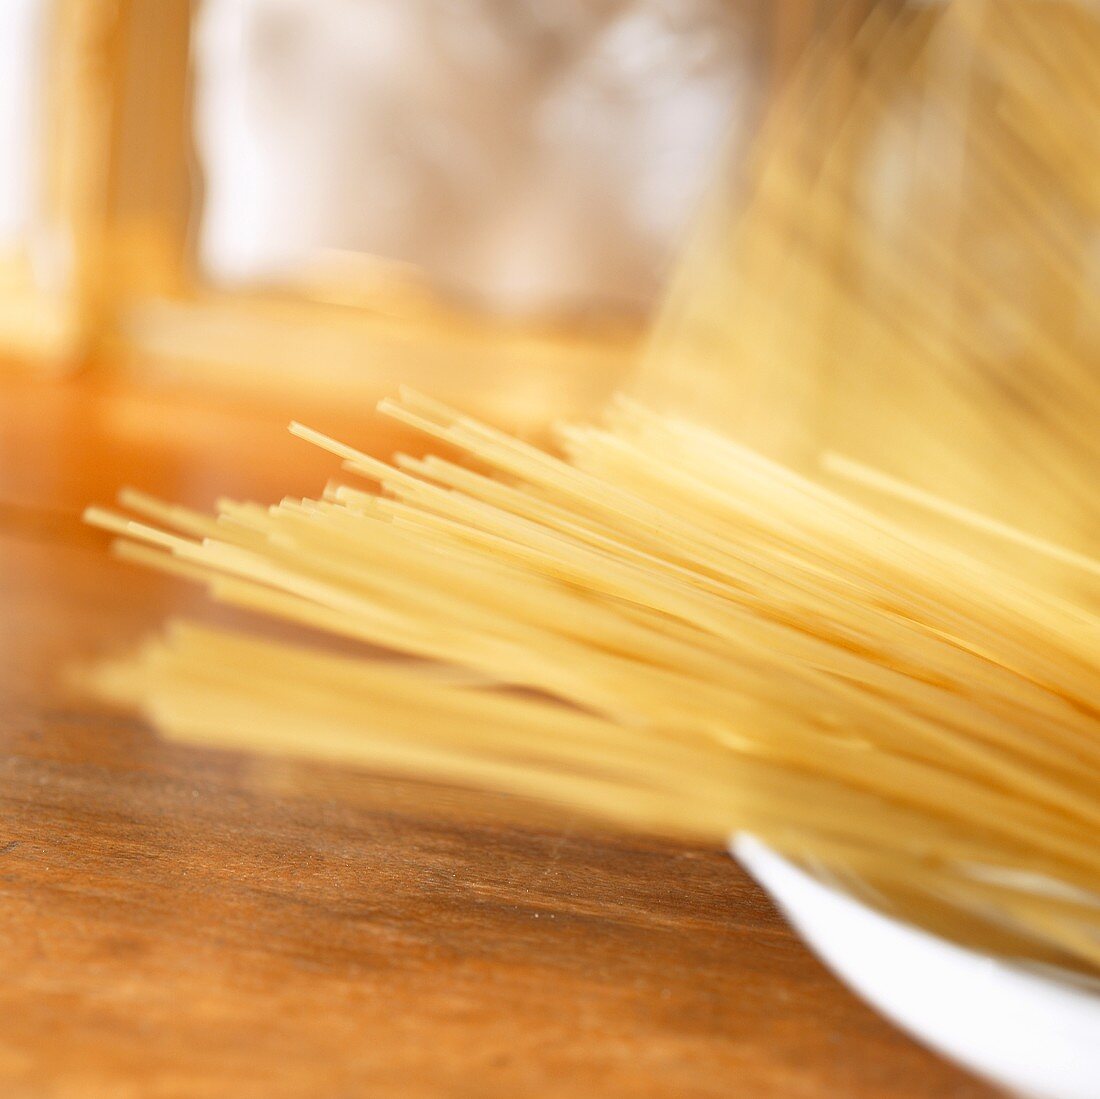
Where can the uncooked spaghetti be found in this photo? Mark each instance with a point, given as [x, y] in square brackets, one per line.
[712, 643]
[895, 681]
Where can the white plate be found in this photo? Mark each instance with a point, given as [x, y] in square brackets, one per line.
[1036, 1036]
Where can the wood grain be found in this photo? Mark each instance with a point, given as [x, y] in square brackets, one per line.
[183, 923]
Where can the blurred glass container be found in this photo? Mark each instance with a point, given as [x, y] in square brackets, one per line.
[533, 158]
[335, 197]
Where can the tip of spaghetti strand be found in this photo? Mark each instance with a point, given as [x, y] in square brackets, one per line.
[325, 442]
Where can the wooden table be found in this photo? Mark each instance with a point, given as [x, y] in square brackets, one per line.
[177, 922]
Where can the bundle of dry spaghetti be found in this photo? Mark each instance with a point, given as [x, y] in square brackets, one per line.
[673, 631]
[713, 642]
[907, 269]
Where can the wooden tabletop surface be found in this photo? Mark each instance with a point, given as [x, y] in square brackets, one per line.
[177, 922]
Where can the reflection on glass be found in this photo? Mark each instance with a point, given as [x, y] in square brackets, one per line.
[538, 157]
[22, 65]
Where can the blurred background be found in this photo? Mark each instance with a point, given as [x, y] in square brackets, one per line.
[329, 198]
